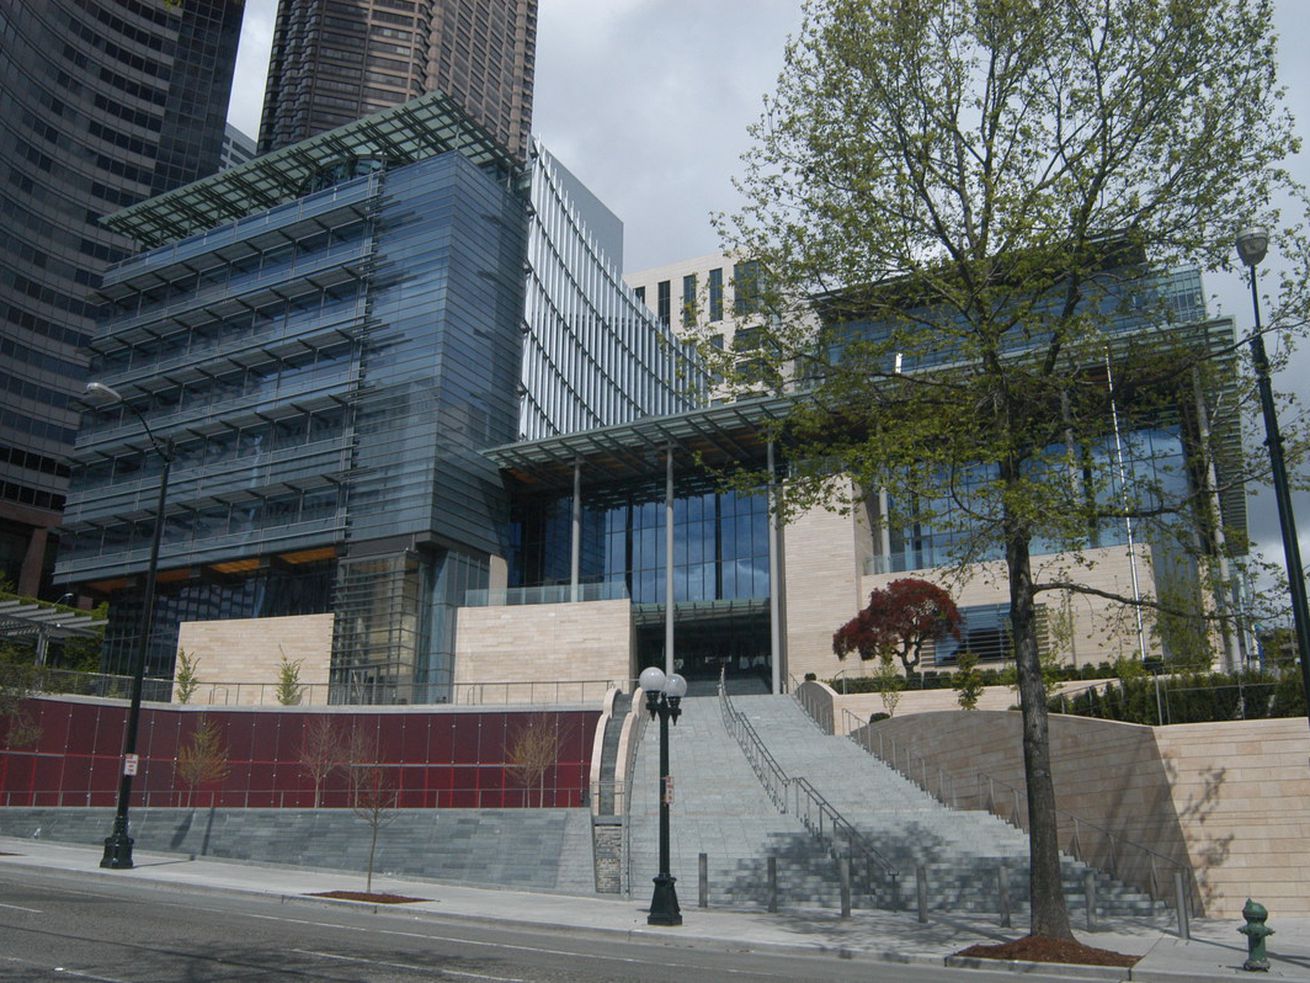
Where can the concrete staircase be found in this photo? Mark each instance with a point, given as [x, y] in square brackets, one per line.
[719, 809]
[962, 851]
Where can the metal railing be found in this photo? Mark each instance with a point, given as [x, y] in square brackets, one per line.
[813, 702]
[548, 594]
[516, 796]
[65, 682]
[795, 795]
[1162, 877]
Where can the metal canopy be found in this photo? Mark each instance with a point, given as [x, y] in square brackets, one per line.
[425, 127]
[716, 437]
[26, 618]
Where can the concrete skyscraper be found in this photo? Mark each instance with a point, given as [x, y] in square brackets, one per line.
[103, 103]
[334, 61]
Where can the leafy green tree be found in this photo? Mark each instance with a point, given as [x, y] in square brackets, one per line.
[888, 682]
[289, 689]
[988, 185]
[19, 679]
[186, 680]
[967, 681]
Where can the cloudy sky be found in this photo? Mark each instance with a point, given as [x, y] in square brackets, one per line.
[647, 102]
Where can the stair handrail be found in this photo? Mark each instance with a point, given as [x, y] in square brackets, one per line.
[818, 816]
[1009, 809]
[638, 711]
[766, 768]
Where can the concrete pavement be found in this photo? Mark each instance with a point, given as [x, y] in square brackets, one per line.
[1215, 952]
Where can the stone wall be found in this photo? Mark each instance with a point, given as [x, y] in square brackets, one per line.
[519, 644]
[238, 659]
[1230, 797]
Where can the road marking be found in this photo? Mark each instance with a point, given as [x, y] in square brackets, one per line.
[88, 976]
[18, 907]
[418, 969]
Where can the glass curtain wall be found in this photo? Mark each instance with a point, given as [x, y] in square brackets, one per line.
[720, 568]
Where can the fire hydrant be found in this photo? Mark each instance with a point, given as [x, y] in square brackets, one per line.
[1256, 931]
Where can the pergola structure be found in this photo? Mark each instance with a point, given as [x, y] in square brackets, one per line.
[42, 622]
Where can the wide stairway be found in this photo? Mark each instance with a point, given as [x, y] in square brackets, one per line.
[720, 808]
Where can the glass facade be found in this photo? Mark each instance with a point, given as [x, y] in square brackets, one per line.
[720, 566]
[595, 354]
[689, 300]
[1155, 466]
[327, 371]
[102, 104]
[716, 294]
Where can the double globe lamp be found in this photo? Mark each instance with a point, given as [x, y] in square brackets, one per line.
[663, 700]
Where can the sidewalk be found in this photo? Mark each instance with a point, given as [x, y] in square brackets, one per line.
[1215, 952]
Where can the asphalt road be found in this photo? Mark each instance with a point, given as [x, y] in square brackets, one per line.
[59, 927]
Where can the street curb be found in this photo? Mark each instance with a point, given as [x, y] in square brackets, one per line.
[1019, 967]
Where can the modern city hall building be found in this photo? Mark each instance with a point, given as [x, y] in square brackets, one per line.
[425, 439]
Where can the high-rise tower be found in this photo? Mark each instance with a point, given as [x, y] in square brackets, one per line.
[334, 61]
[102, 103]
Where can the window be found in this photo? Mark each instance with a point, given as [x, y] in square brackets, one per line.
[689, 300]
[664, 302]
[640, 293]
[716, 295]
[746, 287]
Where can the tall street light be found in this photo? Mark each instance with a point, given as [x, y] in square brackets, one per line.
[118, 844]
[1252, 244]
[663, 699]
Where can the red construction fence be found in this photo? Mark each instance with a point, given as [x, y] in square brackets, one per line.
[71, 752]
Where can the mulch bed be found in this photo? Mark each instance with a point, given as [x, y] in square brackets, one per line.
[365, 896]
[1044, 949]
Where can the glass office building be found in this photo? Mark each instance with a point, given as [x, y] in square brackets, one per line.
[326, 370]
[333, 62]
[329, 336]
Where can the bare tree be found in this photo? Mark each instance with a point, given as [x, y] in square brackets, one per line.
[532, 751]
[375, 799]
[322, 751]
[360, 754]
[204, 759]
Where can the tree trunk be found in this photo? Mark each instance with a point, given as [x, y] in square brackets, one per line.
[1050, 912]
[372, 851]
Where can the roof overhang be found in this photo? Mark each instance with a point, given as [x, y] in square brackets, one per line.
[715, 437]
[425, 127]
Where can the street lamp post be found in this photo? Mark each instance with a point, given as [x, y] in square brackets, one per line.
[1252, 244]
[118, 844]
[663, 699]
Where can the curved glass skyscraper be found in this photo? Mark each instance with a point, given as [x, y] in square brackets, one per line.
[103, 103]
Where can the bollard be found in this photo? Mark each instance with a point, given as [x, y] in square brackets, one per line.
[921, 887]
[773, 883]
[1089, 890]
[1256, 931]
[703, 892]
[1182, 900]
[1003, 890]
[844, 876]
